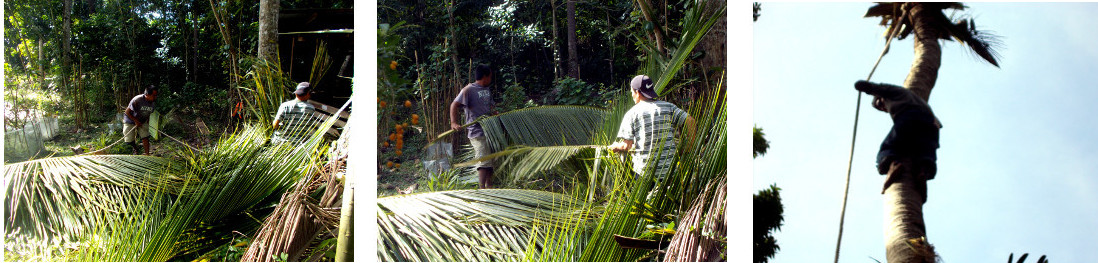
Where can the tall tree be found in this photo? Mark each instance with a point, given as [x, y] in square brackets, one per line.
[573, 60]
[66, 53]
[905, 234]
[268, 30]
[556, 50]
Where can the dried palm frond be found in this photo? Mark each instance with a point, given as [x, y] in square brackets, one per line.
[702, 230]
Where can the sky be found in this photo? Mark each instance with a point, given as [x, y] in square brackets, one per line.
[1018, 163]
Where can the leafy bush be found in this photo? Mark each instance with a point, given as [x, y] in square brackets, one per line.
[572, 91]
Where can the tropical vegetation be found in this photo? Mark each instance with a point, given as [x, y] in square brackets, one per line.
[564, 197]
[211, 191]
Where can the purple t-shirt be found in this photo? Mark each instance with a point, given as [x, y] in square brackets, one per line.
[141, 108]
[477, 101]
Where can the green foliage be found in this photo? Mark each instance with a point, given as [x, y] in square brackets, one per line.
[389, 51]
[446, 181]
[617, 202]
[768, 217]
[145, 208]
[265, 87]
[759, 143]
[1022, 258]
[482, 225]
[577, 92]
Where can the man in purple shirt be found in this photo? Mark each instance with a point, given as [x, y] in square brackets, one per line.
[477, 101]
[135, 123]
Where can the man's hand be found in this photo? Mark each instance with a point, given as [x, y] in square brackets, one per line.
[621, 146]
[862, 85]
[455, 126]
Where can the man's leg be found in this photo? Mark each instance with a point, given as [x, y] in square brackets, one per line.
[484, 168]
[143, 133]
[485, 174]
[145, 141]
[129, 135]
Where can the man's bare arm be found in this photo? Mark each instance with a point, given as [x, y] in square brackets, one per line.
[129, 113]
[454, 108]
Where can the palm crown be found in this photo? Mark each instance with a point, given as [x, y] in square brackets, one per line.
[901, 22]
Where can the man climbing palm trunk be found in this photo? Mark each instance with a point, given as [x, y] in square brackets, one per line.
[907, 157]
[928, 23]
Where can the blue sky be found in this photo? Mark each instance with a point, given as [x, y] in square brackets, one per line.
[1018, 165]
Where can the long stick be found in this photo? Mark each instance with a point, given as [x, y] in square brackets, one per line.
[854, 137]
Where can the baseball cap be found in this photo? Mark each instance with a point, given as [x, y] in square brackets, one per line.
[644, 85]
[302, 88]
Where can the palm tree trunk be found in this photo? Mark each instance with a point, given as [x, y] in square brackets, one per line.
[928, 53]
[903, 200]
[905, 230]
[268, 30]
[66, 58]
[573, 59]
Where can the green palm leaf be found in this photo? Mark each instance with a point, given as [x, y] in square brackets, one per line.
[522, 162]
[696, 24]
[62, 197]
[466, 225]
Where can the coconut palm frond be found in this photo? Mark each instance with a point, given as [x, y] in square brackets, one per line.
[466, 225]
[982, 43]
[224, 189]
[696, 24]
[62, 197]
[521, 162]
[543, 126]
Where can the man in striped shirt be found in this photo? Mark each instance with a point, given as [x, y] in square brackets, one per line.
[647, 131]
[295, 117]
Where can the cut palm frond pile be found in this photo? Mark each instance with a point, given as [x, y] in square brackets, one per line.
[141, 208]
[463, 225]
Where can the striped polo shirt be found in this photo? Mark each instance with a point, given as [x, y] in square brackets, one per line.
[650, 125]
[295, 121]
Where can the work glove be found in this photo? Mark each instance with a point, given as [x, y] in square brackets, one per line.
[862, 85]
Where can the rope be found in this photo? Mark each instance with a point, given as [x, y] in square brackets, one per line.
[131, 130]
[854, 136]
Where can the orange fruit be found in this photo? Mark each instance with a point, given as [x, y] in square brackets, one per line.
[415, 117]
[393, 65]
[392, 136]
[397, 127]
[400, 136]
[389, 164]
[415, 121]
[386, 144]
[407, 104]
[399, 152]
[397, 165]
[382, 103]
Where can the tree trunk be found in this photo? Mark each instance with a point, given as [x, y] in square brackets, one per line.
[345, 240]
[573, 61]
[41, 65]
[928, 52]
[66, 59]
[556, 45]
[268, 31]
[645, 8]
[905, 231]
